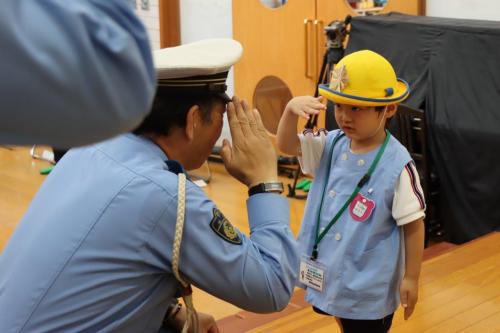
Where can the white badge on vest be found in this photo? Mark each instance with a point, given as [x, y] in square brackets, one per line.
[312, 273]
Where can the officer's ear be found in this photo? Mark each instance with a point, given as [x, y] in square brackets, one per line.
[191, 121]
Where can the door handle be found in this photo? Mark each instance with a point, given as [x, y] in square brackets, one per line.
[319, 26]
[308, 48]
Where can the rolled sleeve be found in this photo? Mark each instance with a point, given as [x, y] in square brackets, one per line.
[275, 206]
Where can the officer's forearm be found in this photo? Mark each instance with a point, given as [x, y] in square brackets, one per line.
[256, 273]
[278, 255]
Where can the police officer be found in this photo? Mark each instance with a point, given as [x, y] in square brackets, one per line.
[94, 251]
[72, 72]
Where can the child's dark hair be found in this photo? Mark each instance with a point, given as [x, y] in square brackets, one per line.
[169, 110]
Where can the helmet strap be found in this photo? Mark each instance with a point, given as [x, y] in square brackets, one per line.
[381, 121]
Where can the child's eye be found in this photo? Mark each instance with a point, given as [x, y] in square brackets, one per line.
[346, 107]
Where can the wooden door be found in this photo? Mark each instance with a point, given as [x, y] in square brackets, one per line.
[274, 42]
[279, 54]
[170, 31]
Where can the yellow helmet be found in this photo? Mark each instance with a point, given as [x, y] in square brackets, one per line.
[365, 78]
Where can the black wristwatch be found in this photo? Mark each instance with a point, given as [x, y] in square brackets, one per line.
[276, 187]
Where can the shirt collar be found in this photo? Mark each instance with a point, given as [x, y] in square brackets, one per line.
[172, 165]
[148, 144]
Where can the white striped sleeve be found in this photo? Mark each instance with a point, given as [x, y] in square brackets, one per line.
[408, 204]
[311, 148]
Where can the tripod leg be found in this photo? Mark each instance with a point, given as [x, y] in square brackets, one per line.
[292, 188]
[313, 121]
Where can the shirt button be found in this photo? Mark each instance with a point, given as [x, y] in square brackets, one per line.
[361, 162]
[332, 194]
[344, 157]
[338, 236]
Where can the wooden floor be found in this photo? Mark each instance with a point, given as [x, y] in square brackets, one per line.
[460, 289]
[19, 181]
[459, 292]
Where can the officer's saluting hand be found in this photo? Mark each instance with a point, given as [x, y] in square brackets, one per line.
[251, 158]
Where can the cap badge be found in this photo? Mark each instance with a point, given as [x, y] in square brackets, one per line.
[339, 78]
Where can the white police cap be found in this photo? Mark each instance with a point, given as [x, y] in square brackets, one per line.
[197, 68]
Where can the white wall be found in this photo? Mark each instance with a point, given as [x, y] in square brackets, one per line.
[468, 9]
[149, 13]
[201, 19]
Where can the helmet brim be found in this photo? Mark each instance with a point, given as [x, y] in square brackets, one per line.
[401, 92]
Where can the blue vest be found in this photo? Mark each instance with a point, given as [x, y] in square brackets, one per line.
[364, 259]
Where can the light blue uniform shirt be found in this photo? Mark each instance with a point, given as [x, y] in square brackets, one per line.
[364, 260]
[93, 252]
[72, 72]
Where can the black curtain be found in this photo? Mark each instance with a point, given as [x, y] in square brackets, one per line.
[453, 68]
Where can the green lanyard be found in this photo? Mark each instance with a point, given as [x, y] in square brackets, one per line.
[362, 182]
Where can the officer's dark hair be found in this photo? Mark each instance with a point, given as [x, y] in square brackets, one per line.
[169, 110]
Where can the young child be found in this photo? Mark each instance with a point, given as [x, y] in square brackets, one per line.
[362, 231]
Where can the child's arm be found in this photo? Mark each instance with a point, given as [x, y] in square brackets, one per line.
[303, 106]
[414, 248]
[408, 209]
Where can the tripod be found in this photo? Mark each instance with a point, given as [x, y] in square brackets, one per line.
[336, 32]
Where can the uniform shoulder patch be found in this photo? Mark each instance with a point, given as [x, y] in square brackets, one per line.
[224, 229]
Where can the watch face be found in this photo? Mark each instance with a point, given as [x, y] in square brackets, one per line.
[266, 187]
[274, 187]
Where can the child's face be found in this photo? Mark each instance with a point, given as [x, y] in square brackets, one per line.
[360, 123]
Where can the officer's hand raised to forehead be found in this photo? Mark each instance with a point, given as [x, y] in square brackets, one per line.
[251, 158]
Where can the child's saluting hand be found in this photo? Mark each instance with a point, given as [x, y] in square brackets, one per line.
[305, 106]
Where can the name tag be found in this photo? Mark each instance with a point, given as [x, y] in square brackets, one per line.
[312, 274]
[361, 208]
